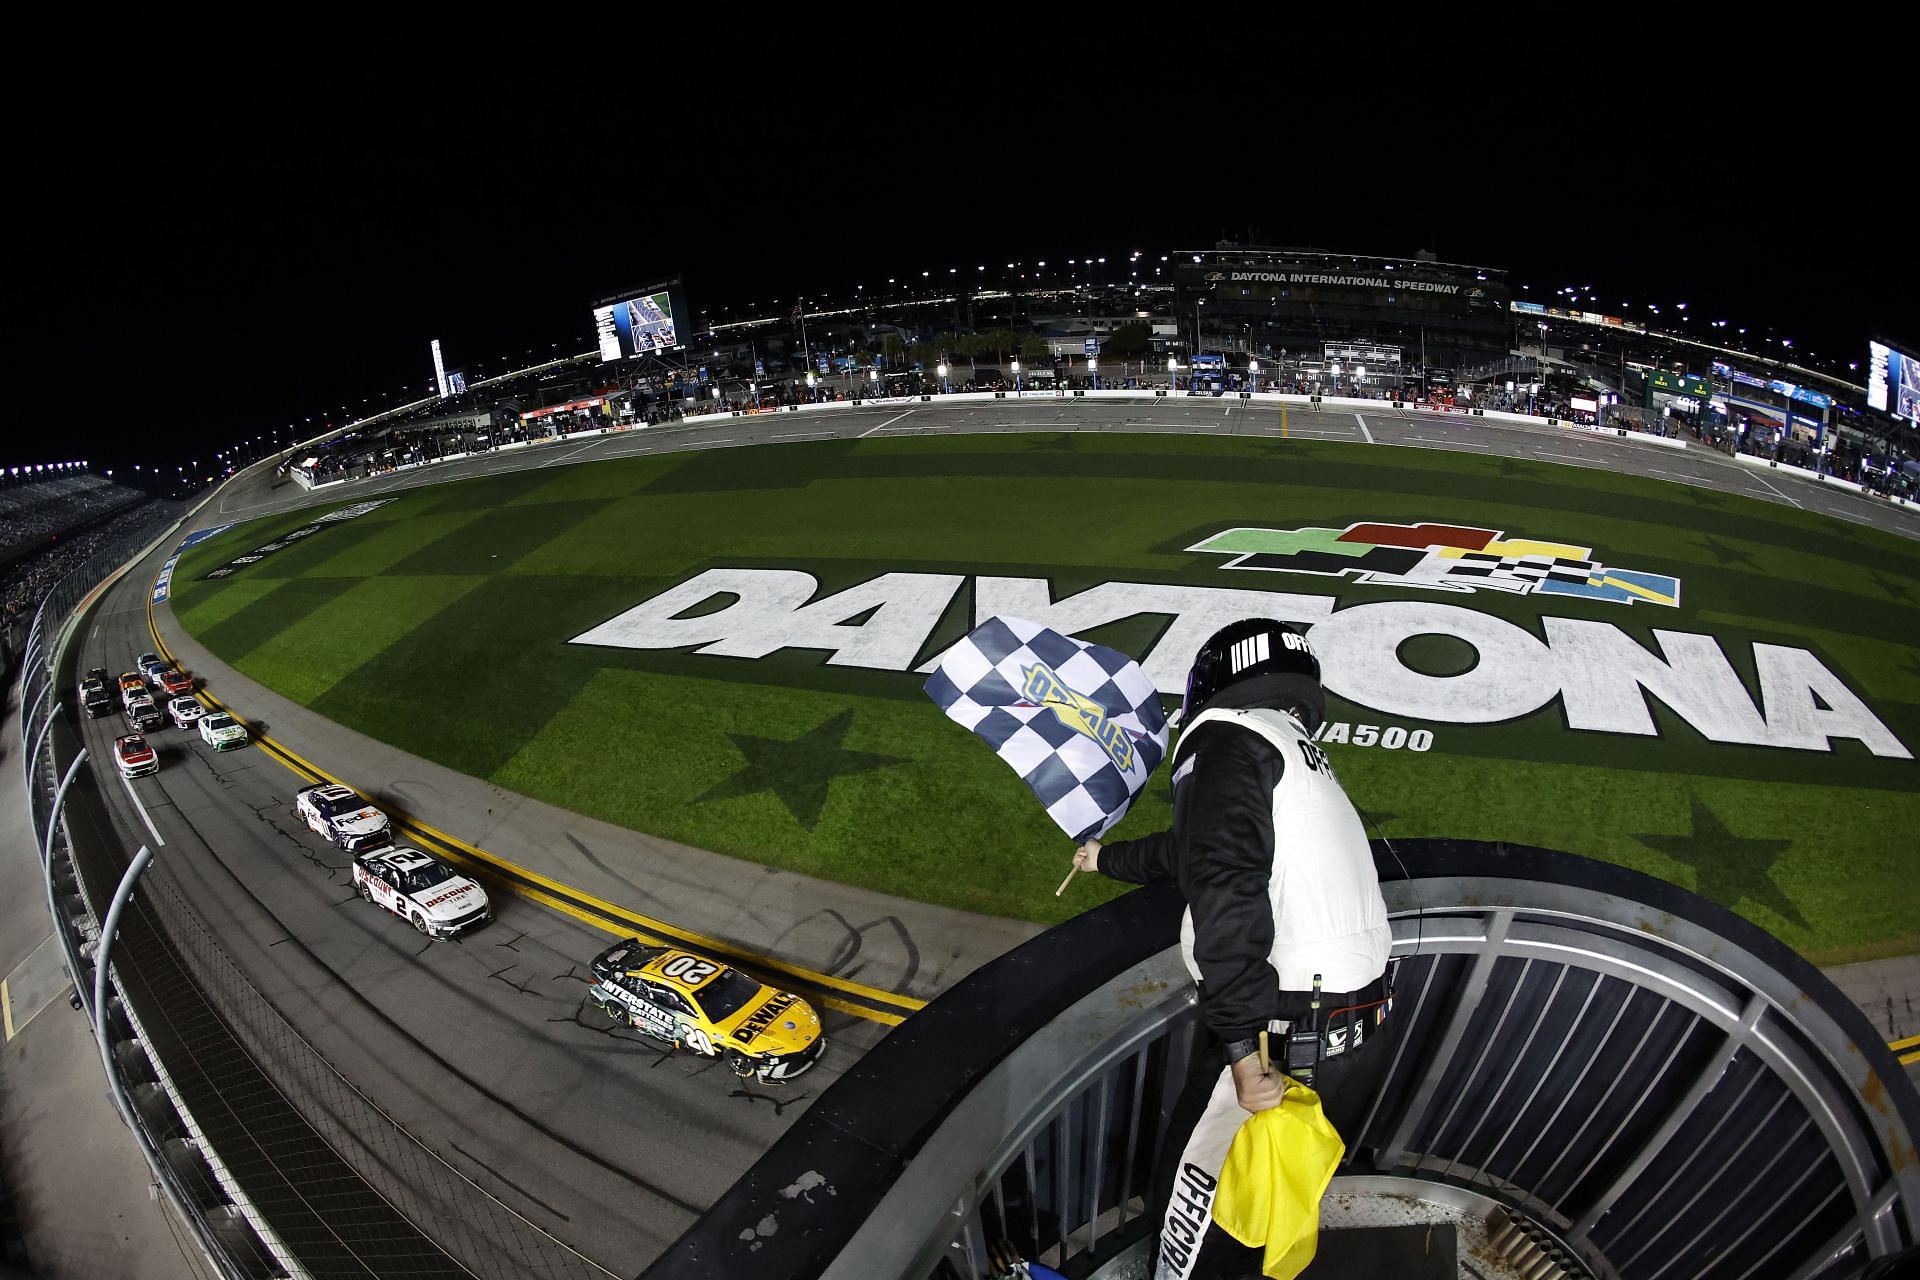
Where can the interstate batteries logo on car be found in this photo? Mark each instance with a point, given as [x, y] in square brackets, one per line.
[1442, 557]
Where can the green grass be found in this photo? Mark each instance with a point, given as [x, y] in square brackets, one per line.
[440, 623]
[308, 658]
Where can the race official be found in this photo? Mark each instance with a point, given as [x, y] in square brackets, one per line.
[1279, 880]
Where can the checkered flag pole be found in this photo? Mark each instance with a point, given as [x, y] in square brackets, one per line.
[1080, 723]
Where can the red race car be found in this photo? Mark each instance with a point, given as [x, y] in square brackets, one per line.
[175, 681]
[134, 756]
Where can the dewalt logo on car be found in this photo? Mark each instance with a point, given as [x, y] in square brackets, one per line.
[761, 1018]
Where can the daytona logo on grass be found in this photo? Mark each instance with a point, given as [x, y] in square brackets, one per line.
[1601, 676]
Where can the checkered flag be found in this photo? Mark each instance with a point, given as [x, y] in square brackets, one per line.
[1080, 723]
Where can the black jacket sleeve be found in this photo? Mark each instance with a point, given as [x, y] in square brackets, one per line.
[1224, 857]
[1139, 861]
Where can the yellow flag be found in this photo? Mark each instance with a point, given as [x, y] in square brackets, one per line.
[1277, 1169]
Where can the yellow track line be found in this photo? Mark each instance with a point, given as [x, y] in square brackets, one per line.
[6, 1006]
[871, 1003]
[1911, 1042]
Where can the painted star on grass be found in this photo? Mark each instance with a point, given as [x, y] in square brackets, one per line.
[1724, 553]
[798, 770]
[1728, 868]
[1892, 586]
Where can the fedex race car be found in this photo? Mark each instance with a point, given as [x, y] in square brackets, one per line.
[708, 1007]
[221, 731]
[185, 712]
[422, 890]
[338, 814]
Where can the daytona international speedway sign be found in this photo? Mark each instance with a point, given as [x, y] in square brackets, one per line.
[1602, 677]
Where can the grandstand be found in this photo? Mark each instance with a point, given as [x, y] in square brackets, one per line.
[49, 527]
[35, 513]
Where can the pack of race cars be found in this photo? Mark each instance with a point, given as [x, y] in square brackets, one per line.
[670, 994]
[141, 695]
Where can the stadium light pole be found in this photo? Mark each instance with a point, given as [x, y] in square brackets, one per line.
[1093, 371]
[1016, 375]
[941, 369]
[1253, 374]
[1173, 377]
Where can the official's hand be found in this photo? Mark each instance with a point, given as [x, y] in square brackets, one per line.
[1087, 856]
[1257, 1090]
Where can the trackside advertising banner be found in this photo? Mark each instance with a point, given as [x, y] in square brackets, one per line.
[286, 540]
[163, 585]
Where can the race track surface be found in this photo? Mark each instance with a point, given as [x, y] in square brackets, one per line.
[485, 1048]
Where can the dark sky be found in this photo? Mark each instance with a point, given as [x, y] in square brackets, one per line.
[218, 277]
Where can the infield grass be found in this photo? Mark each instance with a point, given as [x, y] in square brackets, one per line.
[441, 623]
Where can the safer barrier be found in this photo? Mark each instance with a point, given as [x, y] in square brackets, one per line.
[1594, 1070]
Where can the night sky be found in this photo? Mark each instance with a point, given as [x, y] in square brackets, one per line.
[213, 280]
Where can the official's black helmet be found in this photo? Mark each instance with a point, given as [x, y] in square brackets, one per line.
[1266, 664]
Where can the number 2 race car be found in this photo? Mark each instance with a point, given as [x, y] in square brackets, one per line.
[708, 1007]
[422, 890]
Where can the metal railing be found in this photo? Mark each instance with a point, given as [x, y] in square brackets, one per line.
[1600, 1071]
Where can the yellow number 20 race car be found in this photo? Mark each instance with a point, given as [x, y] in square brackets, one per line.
[708, 1007]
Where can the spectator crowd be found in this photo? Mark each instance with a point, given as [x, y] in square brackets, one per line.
[26, 578]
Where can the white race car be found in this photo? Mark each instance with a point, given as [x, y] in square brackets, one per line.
[422, 890]
[134, 756]
[221, 731]
[338, 814]
[184, 712]
[143, 716]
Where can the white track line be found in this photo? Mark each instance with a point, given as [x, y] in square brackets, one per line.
[1763, 480]
[569, 453]
[889, 422]
[1567, 457]
[1363, 428]
[144, 815]
[1461, 444]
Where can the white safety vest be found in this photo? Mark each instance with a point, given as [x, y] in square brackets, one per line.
[1328, 915]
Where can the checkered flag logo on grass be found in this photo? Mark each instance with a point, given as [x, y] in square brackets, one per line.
[1080, 723]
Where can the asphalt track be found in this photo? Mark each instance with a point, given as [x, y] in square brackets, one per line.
[485, 1049]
